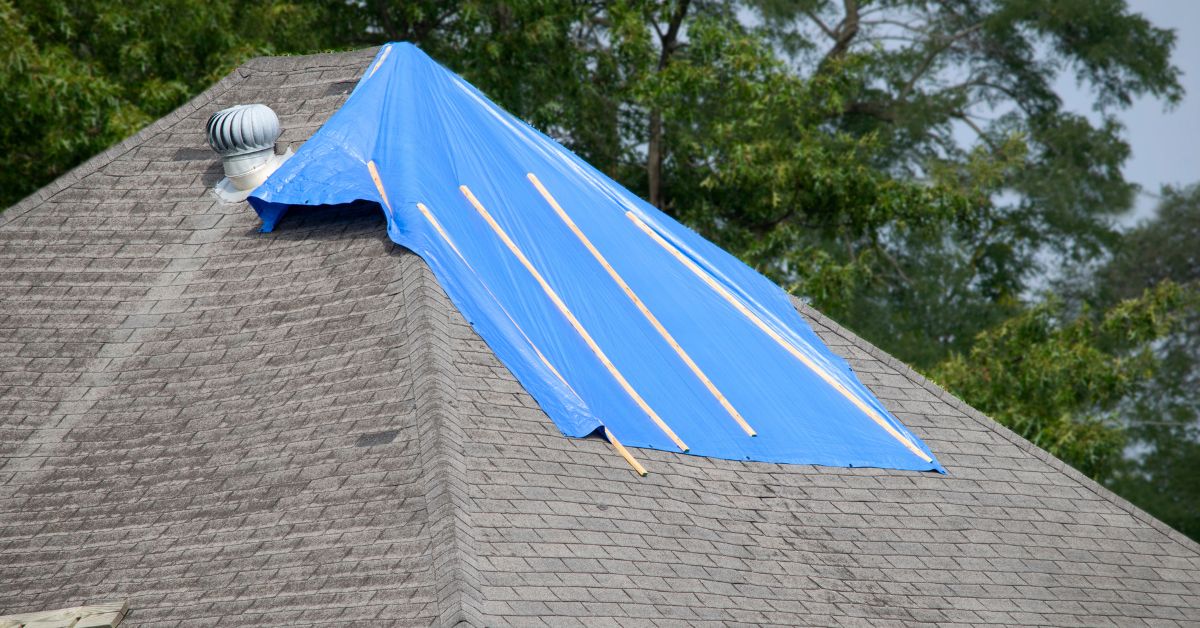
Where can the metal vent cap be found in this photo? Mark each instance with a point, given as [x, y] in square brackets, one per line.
[243, 129]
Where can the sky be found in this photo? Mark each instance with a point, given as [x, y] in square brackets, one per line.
[1165, 143]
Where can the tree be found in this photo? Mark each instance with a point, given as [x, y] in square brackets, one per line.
[1107, 376]
[55, 110]
[1162, 248]
[1162, 418]
[79, 75]
[1059, 380]
[930, 72]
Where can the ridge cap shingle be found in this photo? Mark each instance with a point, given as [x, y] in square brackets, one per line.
[287, 63]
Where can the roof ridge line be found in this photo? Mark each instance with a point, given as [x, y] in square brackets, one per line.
[266, 63]
[950, 398]
[110, 154]
[442, 441]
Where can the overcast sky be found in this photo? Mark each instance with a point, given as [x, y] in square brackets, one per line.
[1166, 144]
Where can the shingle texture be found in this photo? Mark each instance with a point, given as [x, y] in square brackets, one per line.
[234, 428]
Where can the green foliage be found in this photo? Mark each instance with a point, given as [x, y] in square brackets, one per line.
[1057, 378]
[1164, 479]
[1162, 248]
[1163, 415]
[754, 167]
[1044, 181]
[78, 75]
[55, 109]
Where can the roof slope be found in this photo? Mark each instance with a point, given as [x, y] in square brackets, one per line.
[298, 427]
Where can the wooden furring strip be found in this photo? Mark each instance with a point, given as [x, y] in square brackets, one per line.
[637, 301]
[437, 226]
[762, 325]
[378, 183]
[637, 466]
[566, 312]
[386, 52]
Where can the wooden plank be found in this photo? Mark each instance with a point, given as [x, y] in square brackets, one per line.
[386, 51]
[566, 312]
[637, 466]
[646, 313]
[762, 325]
[103, 615]
[378, 182]
[437, 226]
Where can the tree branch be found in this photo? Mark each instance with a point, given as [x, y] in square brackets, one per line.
[896, 266]
[962, 115]
[844, 35]
[825, 29]
[927, 62]
[670, 39]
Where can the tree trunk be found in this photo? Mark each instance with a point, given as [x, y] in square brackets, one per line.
[668, 41]
[654, 160]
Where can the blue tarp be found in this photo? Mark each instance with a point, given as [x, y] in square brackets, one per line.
[608, 311]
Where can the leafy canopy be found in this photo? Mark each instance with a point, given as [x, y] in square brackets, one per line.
[1162, 417]
[1057, 379]
[79, 75]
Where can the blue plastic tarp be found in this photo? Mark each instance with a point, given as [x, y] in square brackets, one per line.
[609, 312]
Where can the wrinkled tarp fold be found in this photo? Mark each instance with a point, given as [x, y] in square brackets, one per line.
[608, 312]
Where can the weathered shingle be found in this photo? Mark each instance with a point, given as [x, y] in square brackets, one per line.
[298, 427]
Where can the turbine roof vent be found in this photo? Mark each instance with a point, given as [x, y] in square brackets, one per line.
[243, 129]
[244, 136]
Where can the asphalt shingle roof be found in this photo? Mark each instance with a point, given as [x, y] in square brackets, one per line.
[223, 426]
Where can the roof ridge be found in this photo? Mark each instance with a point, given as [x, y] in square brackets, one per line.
[1025, 445]
[110, 154]
[442, 441]
[270, 63]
